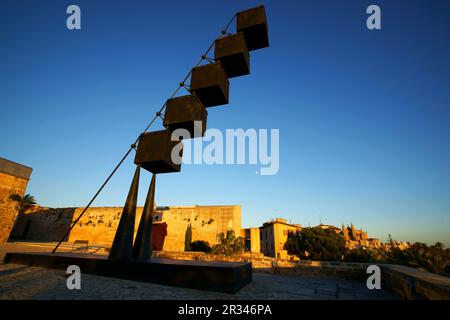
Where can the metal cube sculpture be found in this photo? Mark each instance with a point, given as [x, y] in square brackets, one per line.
[186, 112]
[253, 24]
[154, 152]
[232, 52]
[210, 84]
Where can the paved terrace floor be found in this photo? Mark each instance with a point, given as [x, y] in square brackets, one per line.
[25, 282]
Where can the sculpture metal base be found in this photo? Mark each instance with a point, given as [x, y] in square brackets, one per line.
[228, 277]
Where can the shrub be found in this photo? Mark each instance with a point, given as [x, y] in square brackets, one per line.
[200, 245]
[229, 244]
[362, 254]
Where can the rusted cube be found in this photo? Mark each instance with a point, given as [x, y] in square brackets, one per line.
[210, 84]
[232, 52]
[154, 152]
[186, 112]
[253, 24]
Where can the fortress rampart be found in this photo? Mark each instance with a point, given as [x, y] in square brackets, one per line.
[174, 227]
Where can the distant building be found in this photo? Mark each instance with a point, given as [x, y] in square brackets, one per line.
[330, 227]
[353, 237]
[402, 245]
[278, 238]
[374, 243]
[13, 180]
[252, 239]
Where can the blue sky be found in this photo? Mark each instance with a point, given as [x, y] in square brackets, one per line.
[363, 115]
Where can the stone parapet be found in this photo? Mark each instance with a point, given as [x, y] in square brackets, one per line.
[405, 282]
[414, 284]
[263, 264]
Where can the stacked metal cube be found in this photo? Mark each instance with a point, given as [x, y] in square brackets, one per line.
[209, 87]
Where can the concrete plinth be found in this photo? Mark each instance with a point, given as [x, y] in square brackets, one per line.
[226, 277]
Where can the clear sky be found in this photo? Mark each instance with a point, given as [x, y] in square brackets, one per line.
[364, 116]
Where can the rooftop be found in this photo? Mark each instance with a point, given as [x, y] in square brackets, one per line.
[15, 169]
[282, 221]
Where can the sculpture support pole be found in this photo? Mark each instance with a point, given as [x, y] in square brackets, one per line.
[123, 240]
[142, 249]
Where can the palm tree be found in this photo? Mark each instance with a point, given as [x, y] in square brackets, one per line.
[24, 203]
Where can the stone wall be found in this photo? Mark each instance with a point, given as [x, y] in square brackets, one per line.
[415, 284]
[263, 264]
[13, 180]
[97, 225]
[174, 227]
[189, 224]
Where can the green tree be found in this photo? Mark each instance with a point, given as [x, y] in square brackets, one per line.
[24, 203]
[321, 244]
[229, 244]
